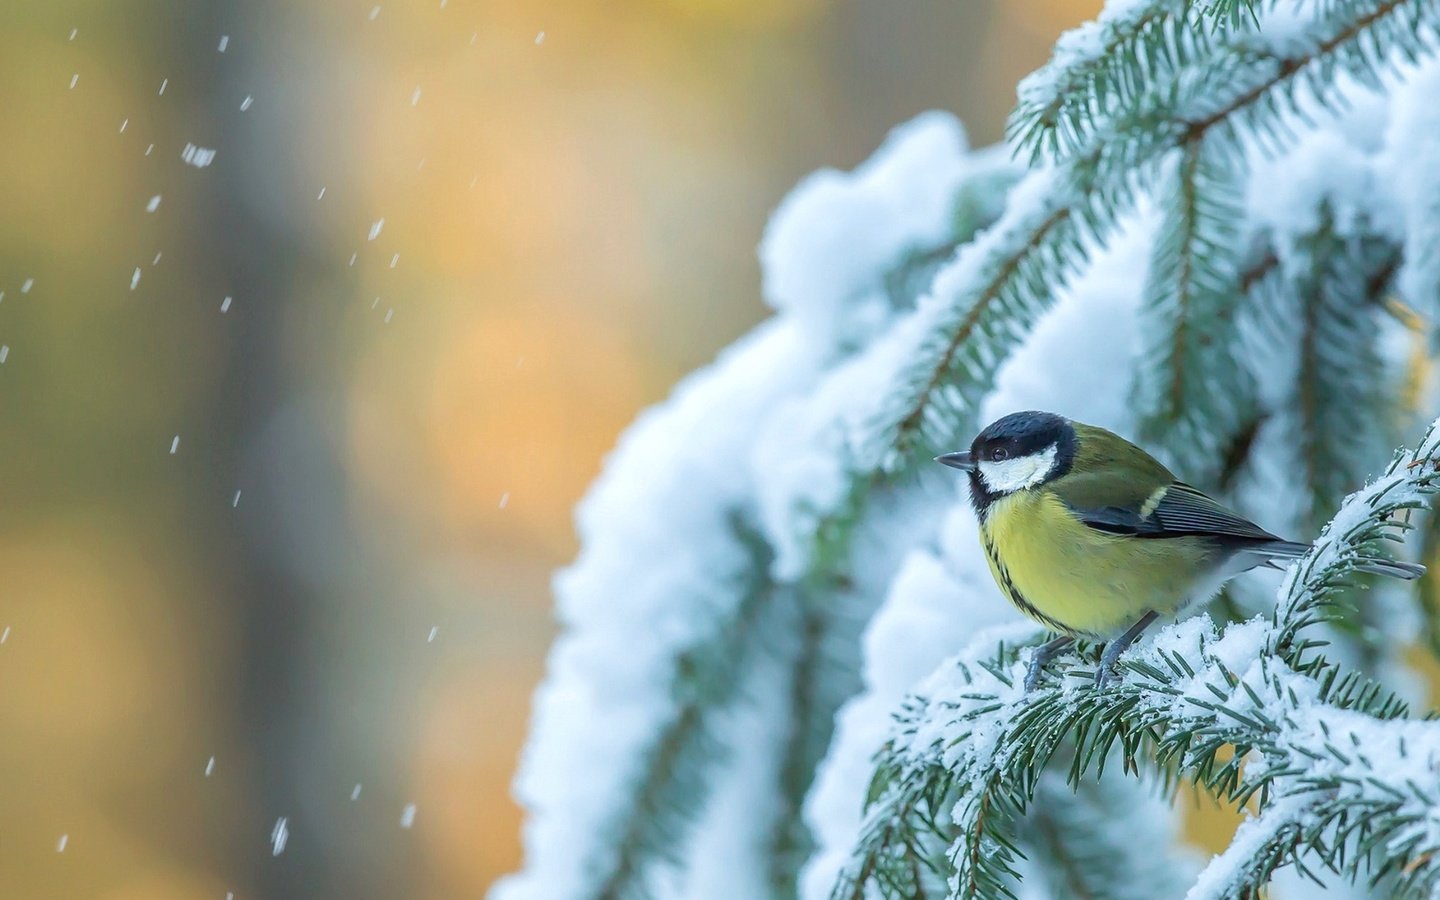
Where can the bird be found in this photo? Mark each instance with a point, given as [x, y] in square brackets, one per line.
[1093, 538]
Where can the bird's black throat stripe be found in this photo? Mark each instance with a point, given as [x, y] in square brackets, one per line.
[1012, 593]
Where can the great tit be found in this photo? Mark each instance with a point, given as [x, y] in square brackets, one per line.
[1094, 538]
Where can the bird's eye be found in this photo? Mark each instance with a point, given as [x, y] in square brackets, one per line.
[999, 454]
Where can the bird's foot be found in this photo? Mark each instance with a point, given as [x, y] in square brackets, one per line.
[1032, 675]
[1042, 655]
[1106, 674]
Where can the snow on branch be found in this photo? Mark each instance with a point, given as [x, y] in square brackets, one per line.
[1104, 64]
[943, 358]
[671, 601]
[744, 532]
[1334, 764]
[1415, 135]
[1195, 394]
[1254, 87]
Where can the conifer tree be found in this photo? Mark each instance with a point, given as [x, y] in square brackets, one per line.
[785, 671]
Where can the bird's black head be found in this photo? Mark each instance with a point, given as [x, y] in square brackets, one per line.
[1020, 451]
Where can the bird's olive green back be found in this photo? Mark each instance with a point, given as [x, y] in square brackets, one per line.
[1109, 471]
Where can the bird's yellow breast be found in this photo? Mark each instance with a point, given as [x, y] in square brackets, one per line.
[1077, 580]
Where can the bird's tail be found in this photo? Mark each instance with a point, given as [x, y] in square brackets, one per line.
[1375, 565]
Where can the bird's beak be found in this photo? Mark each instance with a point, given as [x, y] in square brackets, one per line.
[960, 459]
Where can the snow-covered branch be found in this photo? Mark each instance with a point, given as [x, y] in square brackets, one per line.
[1331, 753]
[1202, 255]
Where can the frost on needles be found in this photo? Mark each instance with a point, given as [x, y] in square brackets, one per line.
[1213, 229]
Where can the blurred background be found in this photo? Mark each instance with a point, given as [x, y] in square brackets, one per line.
[290, 432]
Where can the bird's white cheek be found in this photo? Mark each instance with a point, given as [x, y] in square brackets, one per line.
[1016, 474]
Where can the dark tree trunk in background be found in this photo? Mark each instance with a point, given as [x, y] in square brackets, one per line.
[265, 442]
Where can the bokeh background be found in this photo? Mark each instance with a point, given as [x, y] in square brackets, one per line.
[289, 442]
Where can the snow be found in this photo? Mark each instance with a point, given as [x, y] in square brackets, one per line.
[830, 242]
[1398, 757]
[225, 304]
[407, 816]
[657, 527]
[153, 205]
[821, 443]
[279, 836]
[1218, 879]
[196, 156]
[60, 844]
[1286, 192]
[224, 43]
[1288, 29]
[731, 843]
[210, 767]
[376, 228]
[355, 793]
[245, 104]
[833, 810]
[1414, 134]
[1238, 651]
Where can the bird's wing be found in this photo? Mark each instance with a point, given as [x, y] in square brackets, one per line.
[1177, 510]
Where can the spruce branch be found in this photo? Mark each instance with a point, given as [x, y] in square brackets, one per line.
[673, 785]
[1427, 599]
[1193, 393]
[1073, 828]
[1340, 388]
[1107, 64]
[1234, 13]
[965, 342]
[1368, 521]
[999, 285]
[979, 201]
[1201, 85]
[1252, 87]
[1331, 745]
[823, 677]
[988, 299]
[981, 307]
